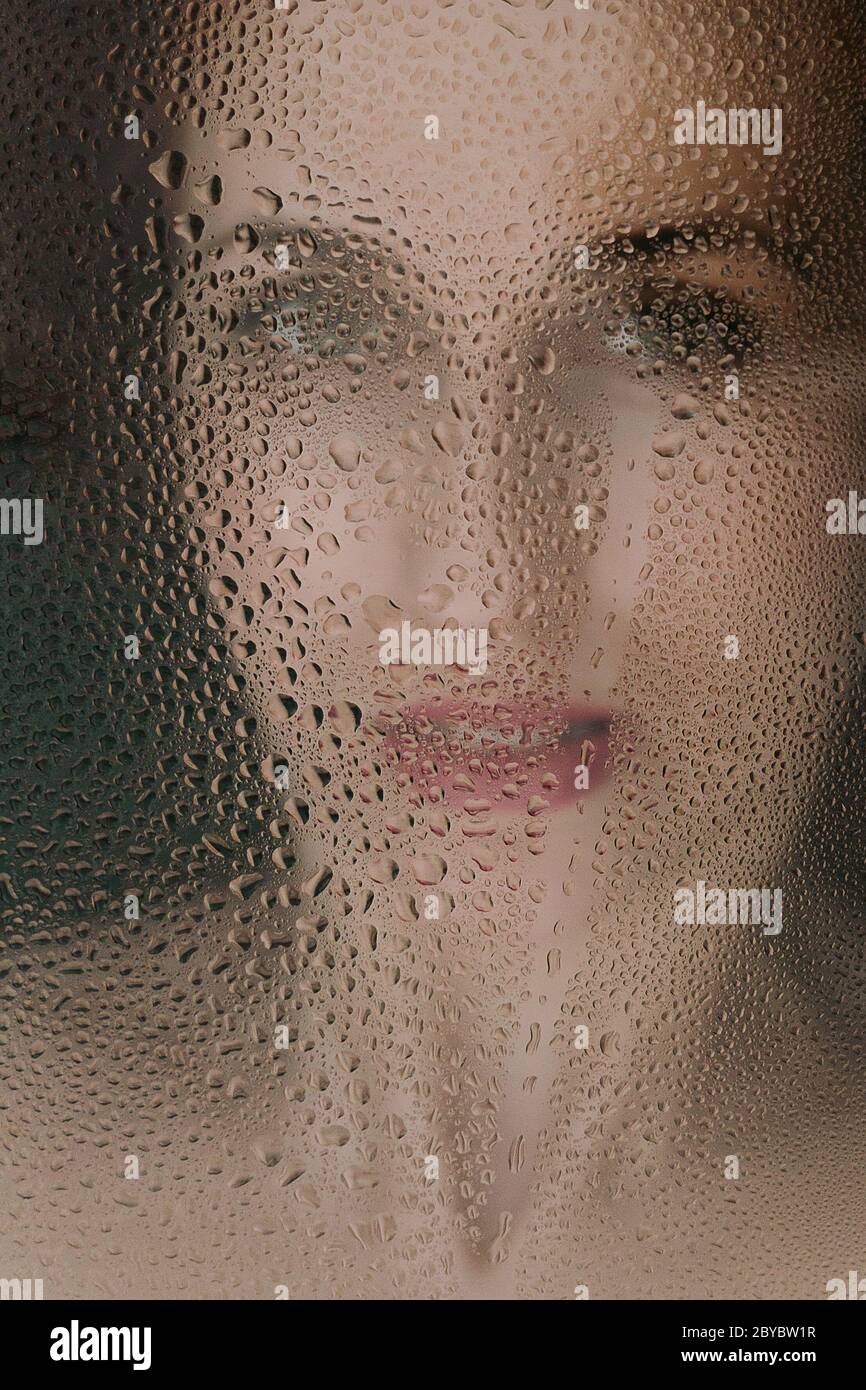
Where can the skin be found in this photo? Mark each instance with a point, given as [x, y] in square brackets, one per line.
[560, 1167]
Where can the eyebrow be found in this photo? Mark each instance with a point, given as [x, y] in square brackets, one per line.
[741, 229]
[272, 233]
[669, 238]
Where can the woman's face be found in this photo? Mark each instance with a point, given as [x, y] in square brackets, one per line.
[469, 507]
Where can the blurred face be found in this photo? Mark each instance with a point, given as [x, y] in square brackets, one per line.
[450, 895]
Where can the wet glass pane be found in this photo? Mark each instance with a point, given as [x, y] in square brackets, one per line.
[433, 521]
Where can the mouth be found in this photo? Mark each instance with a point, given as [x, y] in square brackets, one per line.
[483, 757]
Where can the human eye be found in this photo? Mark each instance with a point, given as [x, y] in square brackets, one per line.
[698, 301]
[319, 299]
[685, 323]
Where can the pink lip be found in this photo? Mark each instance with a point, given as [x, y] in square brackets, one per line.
[484, 757]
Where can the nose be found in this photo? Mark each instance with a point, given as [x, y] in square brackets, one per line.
[618, 563]
[505, 450]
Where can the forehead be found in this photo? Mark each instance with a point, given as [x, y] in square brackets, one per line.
[469, 125]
